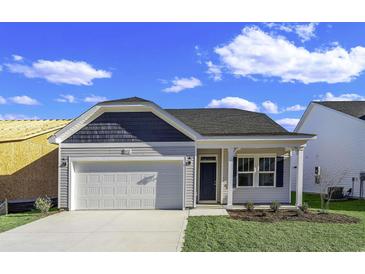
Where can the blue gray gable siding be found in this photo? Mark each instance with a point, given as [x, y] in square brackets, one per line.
[127, 127]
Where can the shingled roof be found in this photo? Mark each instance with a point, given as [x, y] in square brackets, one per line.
[353, 108]
[227, 121]
[125, 100]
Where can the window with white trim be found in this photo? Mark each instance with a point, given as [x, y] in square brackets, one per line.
[267, 167]
[245, 171]
[256, 171]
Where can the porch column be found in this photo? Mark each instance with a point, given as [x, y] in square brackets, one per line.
[230, 177]
[299, 190]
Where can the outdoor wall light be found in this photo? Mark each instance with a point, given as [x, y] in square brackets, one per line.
[126, 152]
[63, 162]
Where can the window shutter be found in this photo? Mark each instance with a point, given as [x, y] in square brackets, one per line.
[279, 171]
[234, 172]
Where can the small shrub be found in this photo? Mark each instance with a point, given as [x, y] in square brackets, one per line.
[275, 205]
[304, 207]
[43, 204]
[299, 212]
[263, 213]
[250, 206]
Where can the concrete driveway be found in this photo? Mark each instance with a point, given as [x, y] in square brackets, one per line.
[114, 230]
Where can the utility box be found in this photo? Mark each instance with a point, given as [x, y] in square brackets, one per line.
[317, 174]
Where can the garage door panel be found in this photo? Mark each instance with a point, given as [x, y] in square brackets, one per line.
[147, 185]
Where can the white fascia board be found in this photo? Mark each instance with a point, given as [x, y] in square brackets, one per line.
[97, 110]
[124, 145]
[74, 125]
[304, 116]
[126, 158]
[248, 145]
[252, 143]
[257, 138]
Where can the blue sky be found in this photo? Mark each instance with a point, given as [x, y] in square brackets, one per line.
[55, 71]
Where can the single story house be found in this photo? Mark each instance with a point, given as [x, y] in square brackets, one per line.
[339, 148]
[132, 154]
[28, 162]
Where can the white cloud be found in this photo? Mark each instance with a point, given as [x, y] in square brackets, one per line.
[24, 100]
[61, 72]
[2, 100]
[289, 123]
[10, 116]
[306, 31]
[17, 58]
[342, 97]
[295, 108]
[270, 107]
[66, 98]
[255, 52]
[214, 71]
[94, 99]
[179, 84]
[233, 102]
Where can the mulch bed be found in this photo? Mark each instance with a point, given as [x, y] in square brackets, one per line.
[291, 215]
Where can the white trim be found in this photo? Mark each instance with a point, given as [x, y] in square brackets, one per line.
[195, 193]
[127, 158]
[184, 184]
[222, 167]
[71, 173]
[290, 174]
[304, 116]
[216, 175]
[208, 155]
[230, 157]
[256, 172]
[59, 178]
[138, 144]
[242, 144]
[256, 138]
[98, 110]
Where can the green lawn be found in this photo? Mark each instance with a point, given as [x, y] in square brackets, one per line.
[220, 233]
[11, 221]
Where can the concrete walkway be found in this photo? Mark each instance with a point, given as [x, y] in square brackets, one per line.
[113, 230]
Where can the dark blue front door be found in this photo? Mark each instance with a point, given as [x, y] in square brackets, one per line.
[207, 181]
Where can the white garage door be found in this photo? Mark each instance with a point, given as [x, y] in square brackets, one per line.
[128, 185]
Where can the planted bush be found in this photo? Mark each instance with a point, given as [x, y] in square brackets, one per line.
[43, 204]
[304, 207]
[250, 206]
[275, 205]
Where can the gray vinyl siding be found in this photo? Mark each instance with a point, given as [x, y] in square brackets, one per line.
[265, 194]
[185, 151]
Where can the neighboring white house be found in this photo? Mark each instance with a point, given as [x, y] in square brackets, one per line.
[340, 144]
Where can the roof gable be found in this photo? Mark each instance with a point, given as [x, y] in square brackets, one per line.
[127, 127]
[353, 108]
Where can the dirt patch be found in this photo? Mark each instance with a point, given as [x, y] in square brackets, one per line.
[291, 215]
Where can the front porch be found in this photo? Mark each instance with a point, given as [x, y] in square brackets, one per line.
[260, 172]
